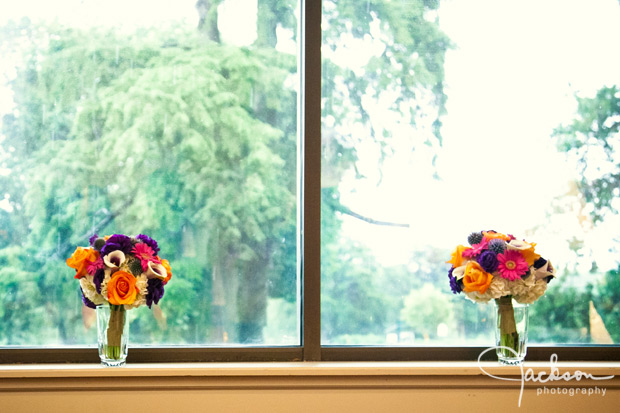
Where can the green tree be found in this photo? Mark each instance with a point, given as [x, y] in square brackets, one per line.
[593, 138]
[411, 65]
[425, 309]
[607, 302]
[175, 134]
[167, 143]
[561, 315]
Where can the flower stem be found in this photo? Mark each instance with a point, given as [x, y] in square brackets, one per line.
[509, 337]
[115, 332]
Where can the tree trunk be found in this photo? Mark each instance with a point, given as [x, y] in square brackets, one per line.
[266, 24]
[252, 299]
[224, 317]
[207, 18]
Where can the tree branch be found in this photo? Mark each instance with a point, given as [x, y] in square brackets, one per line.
[65, 247]
[345, 210]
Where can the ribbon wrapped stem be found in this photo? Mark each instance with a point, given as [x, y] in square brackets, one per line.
[115, 331]
[509, 337]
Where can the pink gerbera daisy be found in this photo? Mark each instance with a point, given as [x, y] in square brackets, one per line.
[144, 253]
[476, 249]
[512, 265]
[93, 266]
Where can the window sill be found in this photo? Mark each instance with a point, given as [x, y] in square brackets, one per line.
[301, 369]
[315, 386]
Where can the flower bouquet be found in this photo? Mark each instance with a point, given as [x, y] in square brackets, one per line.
[118, 273]
[502, 268]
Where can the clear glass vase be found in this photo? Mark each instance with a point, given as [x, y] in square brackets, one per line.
[511, 331]
[112, 334]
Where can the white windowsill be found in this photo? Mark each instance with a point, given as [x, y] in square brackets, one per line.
[301, 369]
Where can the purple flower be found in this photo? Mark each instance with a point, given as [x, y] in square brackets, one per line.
[92, 240]
[488, 261]
[539, 262]
[117, 242]
[86, 301]
[155, 291]
[149, 241]
[454, 284]
[98, 279]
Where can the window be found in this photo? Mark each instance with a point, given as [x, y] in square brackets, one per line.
[175, 120]
[183, 122]
[527, 145]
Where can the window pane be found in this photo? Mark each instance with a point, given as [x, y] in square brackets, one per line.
[444, 119]
[173, 119]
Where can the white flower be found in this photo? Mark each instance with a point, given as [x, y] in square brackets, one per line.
[533, 293]
[104, 284]
[499, 287]
[459, 272]
[476, 297]
[90, 291]
[114, 259]
[141, 286]
[544, 271]
[156, 271]
[521, 286]
[515, 244]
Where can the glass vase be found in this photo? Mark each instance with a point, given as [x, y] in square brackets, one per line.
[511, 331]
[112, 334]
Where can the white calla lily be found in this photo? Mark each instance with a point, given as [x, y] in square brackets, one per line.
[517, 245]
[459, 272]
[114, 259]
[544, 271]
[156, 270]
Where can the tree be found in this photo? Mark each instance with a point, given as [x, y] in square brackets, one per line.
[168, 144]
[561, 315]
[425, 309]
[408, 72]
[593, 138]
[174, 134]
[607, 302]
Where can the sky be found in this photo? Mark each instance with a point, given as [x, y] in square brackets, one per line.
[510, 81]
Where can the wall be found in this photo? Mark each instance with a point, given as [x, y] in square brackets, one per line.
[305, 387]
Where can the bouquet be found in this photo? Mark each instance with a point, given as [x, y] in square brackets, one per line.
[122, 272]
[500, 267]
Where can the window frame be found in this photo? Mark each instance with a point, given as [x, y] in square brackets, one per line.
[310, 349]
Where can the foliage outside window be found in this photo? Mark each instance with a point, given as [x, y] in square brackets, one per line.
[446, 118]
[182, 122]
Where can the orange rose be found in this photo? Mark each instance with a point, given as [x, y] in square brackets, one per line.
[166, 265]
[489, 235]
[80, 260]
[526, 250]
[475, 278]
[122, 288]
[457, 256]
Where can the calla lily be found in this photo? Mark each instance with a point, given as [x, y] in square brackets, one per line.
[544, 271]
[459, 272]
[156, 270]
[114, 259]
[526, 249]
[519, 245]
